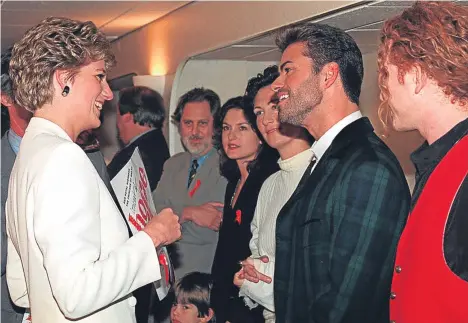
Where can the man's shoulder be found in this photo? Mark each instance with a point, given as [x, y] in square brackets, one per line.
[121, 157]
[180, 156]
[366, 149]
[153, 145]
[177, 161]
[8, 155]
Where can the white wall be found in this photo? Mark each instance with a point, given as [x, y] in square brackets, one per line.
[401, 143]
[227, 78]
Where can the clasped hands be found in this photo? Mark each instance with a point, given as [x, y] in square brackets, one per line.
[208, 215]
[249, 272]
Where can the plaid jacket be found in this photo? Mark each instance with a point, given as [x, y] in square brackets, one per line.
[336, 237]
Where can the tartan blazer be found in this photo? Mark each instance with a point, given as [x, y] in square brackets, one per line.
[336, 237]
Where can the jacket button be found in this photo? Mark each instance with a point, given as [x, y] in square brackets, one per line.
[392, 295]
[398, 269]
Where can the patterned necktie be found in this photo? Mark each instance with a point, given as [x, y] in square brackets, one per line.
[193, 172]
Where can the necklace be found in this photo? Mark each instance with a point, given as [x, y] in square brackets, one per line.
[234, 194]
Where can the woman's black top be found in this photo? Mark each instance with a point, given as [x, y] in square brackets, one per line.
[233, 247]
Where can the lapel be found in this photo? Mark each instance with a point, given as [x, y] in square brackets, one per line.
[353, 132]
[199, 183]
[181, 177]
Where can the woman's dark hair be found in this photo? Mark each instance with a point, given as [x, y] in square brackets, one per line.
[228, 167]
[256, 83]
[260, 81]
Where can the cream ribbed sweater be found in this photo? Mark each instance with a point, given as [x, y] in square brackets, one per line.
[274, 194]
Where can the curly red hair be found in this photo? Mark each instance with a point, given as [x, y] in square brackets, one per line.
[434, 36]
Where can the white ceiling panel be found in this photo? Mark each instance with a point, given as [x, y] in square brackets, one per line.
[365, 37]
[372, 26]
[130, 21]
[362, 16]
[403, 4]
[265, 40]
[166, 6]
[363, 23]
[115, 18]
[51, 6]
[141, 14]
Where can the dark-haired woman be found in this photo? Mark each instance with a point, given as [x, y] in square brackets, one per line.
[293, 145]
[246, 161]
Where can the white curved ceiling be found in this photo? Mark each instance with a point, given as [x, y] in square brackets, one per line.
[362, 22]
[114, 18]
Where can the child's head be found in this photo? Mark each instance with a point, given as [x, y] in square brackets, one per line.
[192, 299]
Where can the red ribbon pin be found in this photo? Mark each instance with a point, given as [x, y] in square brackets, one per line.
[238, 216]
[195, 188]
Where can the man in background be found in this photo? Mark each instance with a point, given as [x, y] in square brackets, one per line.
[191, 183]
[140, 118]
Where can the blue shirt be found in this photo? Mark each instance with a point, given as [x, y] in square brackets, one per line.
[14, 141]
[200, 161]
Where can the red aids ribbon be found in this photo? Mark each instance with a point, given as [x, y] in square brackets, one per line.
[238, 216]
[195, 188]
[163, 261]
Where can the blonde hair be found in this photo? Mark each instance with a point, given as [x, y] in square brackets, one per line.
[54, 44]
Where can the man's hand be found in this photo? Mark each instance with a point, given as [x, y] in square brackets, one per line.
[209, 215]
[251, 274]
[163, 228]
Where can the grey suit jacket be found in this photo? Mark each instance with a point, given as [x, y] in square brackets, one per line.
[10, 312]
[195, 251]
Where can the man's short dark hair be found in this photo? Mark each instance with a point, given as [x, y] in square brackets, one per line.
[6, 80]
[144, 104]
[198, 94]
[327, 44]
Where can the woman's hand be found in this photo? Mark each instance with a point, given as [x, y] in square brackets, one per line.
[250, 273]
[239, 278]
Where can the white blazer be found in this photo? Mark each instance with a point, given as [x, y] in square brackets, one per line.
[69, 254]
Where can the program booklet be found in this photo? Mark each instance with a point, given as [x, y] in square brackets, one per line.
[133, 192]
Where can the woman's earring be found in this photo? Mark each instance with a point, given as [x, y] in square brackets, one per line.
[65, 91]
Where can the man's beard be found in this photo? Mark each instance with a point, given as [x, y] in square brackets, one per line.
[300, 103]
[195, 149]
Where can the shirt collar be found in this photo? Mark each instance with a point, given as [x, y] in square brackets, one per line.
[201, 159]
[427, 155]
[320, 146]
[14, 141]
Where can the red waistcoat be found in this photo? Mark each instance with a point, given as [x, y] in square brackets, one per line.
[424, 289]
